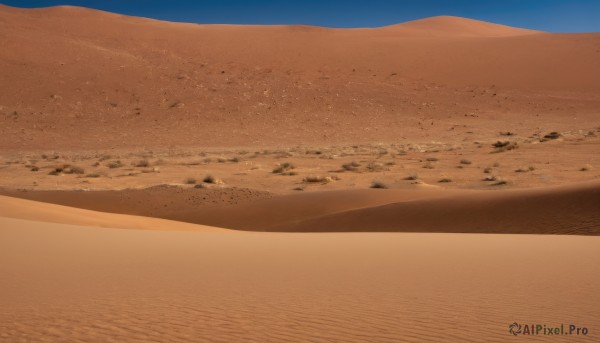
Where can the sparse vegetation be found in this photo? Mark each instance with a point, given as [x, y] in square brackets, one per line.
[412, 177]
[142, 164]
[379, 185]
[429, 165]
[432, 159]
[525, 169]
[284, 168]
[375, 167]
[501, 146]
[213, 180]
[318, 179]
[352, 166]
[551, 135]
[487, 170]
[490, 178]
[464, 161]
[66, 169]
[500, 182]
[93, 175]
[190, 181]
[115, 164]
[444, 180]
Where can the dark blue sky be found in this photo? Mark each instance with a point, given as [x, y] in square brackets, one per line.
[547, 15]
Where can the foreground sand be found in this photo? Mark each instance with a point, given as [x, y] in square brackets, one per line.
[79, 283]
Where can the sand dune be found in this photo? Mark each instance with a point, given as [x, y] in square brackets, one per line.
[71, 283]
[44, 212]
[126, 82]
[570, 209]
[448, 26]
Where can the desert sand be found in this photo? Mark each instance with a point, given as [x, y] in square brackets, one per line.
[81, 283]
[435, 180]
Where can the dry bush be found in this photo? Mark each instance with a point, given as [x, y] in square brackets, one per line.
[487, 170]
[432, 159]
[352, 166]
[143, 164]
[429, 165]
[463, 161]
[73, 170]
[115, 164]
[379, 185]
[502, 146]
[93, 175]
[375, 167]
[190, 181]
[525, 169]
[445, 179]
[318, 179]
[550, 136]
[284, 167]
[412, 177]
[213, 180]
[490, 178]
[500, 182]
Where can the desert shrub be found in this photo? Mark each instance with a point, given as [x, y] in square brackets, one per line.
[93, 175]
[375, 167]
[500, 182]
[551, 135]
[34, 169]
[463, 161]
[489, 178]
[379, 185]
[525, 169]
[352, 166]
[318, 179]
[432, 159]
[190, 181]
[487, 170]
[283, 168]
[412, 177]
[446, 179]
[501, 146]
[143, 163]
[115, 164]
[429, 165]
[212, 179]
[73, 170]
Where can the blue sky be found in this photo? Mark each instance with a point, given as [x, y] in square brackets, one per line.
[547, 15]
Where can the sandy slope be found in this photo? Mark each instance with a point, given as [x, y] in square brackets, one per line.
[119, 81]
[568, 209]
[70, 283]
[32, 210]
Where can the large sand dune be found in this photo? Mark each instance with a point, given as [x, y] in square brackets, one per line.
[571, 209]
[119, 81]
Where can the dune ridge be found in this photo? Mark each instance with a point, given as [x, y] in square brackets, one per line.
[51, 213]
[567, 209]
